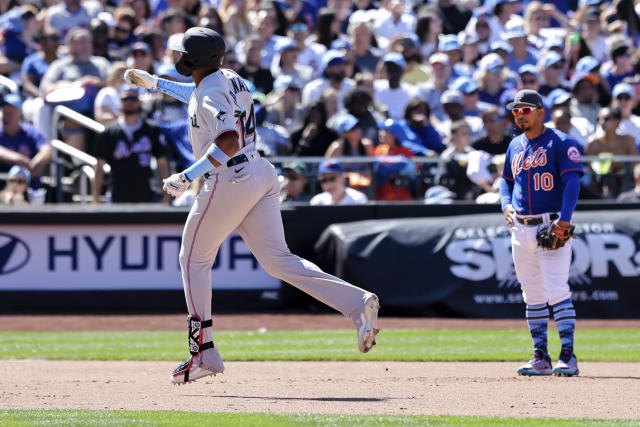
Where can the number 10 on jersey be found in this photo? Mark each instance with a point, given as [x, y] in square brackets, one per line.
[543, 180]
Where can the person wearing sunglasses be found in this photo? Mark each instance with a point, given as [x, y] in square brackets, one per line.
[293, 183]
[540, 187]
[35, 65]
[552, 70]
[16, 192]
[620, 53]
[334, 188]
[623, 100]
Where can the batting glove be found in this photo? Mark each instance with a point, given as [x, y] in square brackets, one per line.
[176, 184]
[140, 78]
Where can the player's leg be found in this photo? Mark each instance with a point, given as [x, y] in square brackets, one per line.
[529, 275]
[263, 233]
[555, 267]
[207, 225]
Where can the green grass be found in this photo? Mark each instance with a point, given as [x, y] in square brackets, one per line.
[400, 345]
[173, 418]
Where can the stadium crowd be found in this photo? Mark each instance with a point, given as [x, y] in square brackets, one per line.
[392, 79]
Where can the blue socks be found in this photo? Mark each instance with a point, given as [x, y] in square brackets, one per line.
[538, 319]
[565, 316]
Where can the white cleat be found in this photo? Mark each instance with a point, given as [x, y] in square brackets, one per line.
[366, 324]
[204, 364]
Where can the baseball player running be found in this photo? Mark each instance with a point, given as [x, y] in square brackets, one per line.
[240, 192]
[539, 193]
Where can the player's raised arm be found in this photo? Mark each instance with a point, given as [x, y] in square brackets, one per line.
[180, 91]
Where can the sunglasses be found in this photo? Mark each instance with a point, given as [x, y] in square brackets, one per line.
[292, 177]
[624, 97]
[523, 111]
[482, 25]
[496, 69]
[557, 66]
[529, 81]
[130, 98]
[17, 181]
[298, 27]
[328, 179]
[123, 30]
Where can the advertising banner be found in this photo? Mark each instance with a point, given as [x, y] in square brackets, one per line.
[462, 265]
[114, 257]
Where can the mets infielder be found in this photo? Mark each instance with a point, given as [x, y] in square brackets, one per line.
[240, 192]
[539, 193]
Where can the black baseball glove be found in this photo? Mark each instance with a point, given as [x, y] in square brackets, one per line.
[554, 236]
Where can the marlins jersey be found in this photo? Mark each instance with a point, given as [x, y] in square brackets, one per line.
[221, 103]
[536, 168]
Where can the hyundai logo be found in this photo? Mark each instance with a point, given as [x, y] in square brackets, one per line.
[14, 254]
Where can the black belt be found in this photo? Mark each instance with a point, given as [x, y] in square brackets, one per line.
[534, 220]
[231, 163]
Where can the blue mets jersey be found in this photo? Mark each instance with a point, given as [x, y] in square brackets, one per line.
[535, 170]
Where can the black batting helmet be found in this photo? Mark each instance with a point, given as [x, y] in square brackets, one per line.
[201, 48]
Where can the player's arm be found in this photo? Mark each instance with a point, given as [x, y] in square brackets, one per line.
[180, 91]
[571, 169]
[506, 189]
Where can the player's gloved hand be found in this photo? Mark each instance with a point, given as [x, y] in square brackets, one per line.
[555, 235]
[140, 78]
[176, 184]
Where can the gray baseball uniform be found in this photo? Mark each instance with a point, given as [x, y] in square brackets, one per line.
[243, 197]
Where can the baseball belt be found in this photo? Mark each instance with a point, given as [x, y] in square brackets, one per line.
[534, 220]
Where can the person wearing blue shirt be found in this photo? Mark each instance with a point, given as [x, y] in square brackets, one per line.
[541, 183]
[36, 64]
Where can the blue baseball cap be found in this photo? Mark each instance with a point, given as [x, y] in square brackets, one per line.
[465, 85]
[395, 58]
[448, 42]
[285, 43]
[587, 63]
[330, 166]
[20, 171]
[549, 58]
[144, 47]
[451, 97]
[13, 99]
[557, 96]
[481, 11]
[346, 123]
[332, 57]
[340, 43]
[126, 87]
[622, 88]
[528, 68]
[284, 81]
[399, 129]
[552, 42]
[500, 45]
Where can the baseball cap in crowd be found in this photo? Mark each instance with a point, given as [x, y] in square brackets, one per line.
[17, 171]
[491, 62]
[549, 58]
[587, 64]
[622, 88]
[526, 97]
[400, 130]
[285, 43]
[107, 18]
[465, 85]
[141, 46]
[557, 97]
[332, 57]
[553, 42]
[481, 11]
[126, 87]
[439, 58]
[451, 96]
[578, 76]
[395, 58]
[12, 99]
[583, 3]
[448, 42]
[530, 69]
[410, 37]
[466, 38]
[439, 194]
[500, 45]
[345, 123]
[297, 167]
[591, 14]
[330, 166]
[283, 82]
[340, 43]
[514, 29]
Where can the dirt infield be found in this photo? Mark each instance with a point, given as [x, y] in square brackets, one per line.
[315, 387]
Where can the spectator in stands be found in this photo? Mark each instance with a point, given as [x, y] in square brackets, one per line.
[351, 142]
[173, 21]
[552, 69]
[19, 42]
[521, 54]
[469, 88]
[453, 171]
[127, 145]
[67, 15]
[286, 109]
[313, 137]
[503, 49]
[592, 33]
[585, 101]
[479, 25]
[428, 27]
[327, 27]
[272, 139]
[333, 72]
[578, 128]
[452, 102]
[417, 115]
[433, 89]
[366, 57]
[491, 77]
[334, 189]
[620, 54]
[285, 63]
[454, 15]
[391, 92]
[123, 37]
[633, 195]
[537, 23]
[359, 103]
[252, 68]
[469, 43]
[16, 192]
[611, 175]
[265, 27]
[107, 103]
[142, 10]
[310, 52]
[629, 123]
[484, 171]
[235, 18]
[100, 38]
[395, 20]
[141, 57]
[394, 175]
[448, 43]
[208, 17]
[529, 78]
[498, 137]
[415, 71]
[230, 61]
[294, 183]
[36, 64]
[21, 144]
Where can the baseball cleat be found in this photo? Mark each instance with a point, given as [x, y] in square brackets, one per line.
[567, 367]
[206, 363]
[366, 324]
[539, 365]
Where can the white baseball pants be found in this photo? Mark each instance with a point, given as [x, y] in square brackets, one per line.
[543, 274]
[248, 200]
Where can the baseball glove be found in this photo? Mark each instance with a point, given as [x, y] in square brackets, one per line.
[554, 236]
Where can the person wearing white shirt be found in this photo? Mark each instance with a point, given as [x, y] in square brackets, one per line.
[396, 21]
[334, 190]
[333, 71]
[391, 92]
[622, 98]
